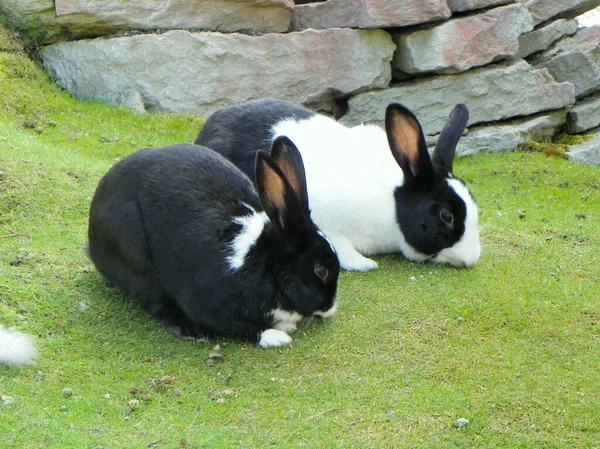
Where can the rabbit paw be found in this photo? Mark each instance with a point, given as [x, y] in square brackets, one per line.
[286, 326]
[272, 338]
[359, 263]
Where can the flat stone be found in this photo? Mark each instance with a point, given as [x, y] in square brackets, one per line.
[543, 10]
[460, 44]
[584, 116]
[575, 59]
[492, 93]
[86, 18]
[368, 13]
[542, 38]
[586, 153]
[201, 72]
[469, 5]
[505, 137]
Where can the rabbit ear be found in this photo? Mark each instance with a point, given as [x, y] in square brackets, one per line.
[287, 157]
[277, 197]
[407, 143]
[445, 149]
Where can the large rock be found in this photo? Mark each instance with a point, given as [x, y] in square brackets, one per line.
[543, 10]
[543, 37]
[368, 13]
[468, 5]
[505, 137]
[587, 152]
[202, 72]
[576, 60]
[493, 93]
[95, 18]
[460, 44]
[36, 16]
[584, 116]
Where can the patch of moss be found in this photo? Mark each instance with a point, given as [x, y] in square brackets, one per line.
[570, 139]
[549, 149]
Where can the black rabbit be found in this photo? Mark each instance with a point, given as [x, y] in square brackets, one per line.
[186, 233]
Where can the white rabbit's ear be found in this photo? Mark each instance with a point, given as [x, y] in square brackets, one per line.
[445, 148]
[287, 157]
[407, 143]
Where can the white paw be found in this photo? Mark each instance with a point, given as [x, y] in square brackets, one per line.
[272, 338]
[359, 263]
[285, 326]
[328, 313]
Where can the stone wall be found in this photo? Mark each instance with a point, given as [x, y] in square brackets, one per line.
[523, 67]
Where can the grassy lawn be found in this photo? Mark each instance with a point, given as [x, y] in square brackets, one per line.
[512, 344]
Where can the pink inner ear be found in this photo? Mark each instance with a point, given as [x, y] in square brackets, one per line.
[405, 131]
[275, 191]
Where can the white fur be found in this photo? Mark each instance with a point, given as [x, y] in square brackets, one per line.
[351, 176]
[286, 321]
[16, 348]
[272, 338]
[252, 226]
[466, 251]
[328, 313]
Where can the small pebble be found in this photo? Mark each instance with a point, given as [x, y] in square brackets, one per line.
[7, 400]
[106, 396]
[412, 278]
[462, 422]
[67, 392]
[133, 403]
[83, 307]
[220, 401]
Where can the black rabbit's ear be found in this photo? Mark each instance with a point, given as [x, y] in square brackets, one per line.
[445, 149]
[287, 157]
[277, 196]
[407, 144]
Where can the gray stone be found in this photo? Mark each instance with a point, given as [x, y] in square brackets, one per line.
[96, 18]
[587, 152]
[492, 93]
[131, 99]
[202, 72]
[460, 44]
[543, 10]
[469, 5]
[584, 116]
[368, 13]
[575, 59]
[505, 137]
[35, 15]
[543, 37]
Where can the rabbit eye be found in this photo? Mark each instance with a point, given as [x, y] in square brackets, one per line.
[321, 271]
[447, 217]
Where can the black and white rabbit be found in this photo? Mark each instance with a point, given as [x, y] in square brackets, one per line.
[367, 199]
[16, 348]
[186, 233]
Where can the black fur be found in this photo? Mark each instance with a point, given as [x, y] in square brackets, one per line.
[161, 226]
[425, 192]
[253, 123]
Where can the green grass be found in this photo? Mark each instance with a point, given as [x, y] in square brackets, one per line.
[512, 344]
